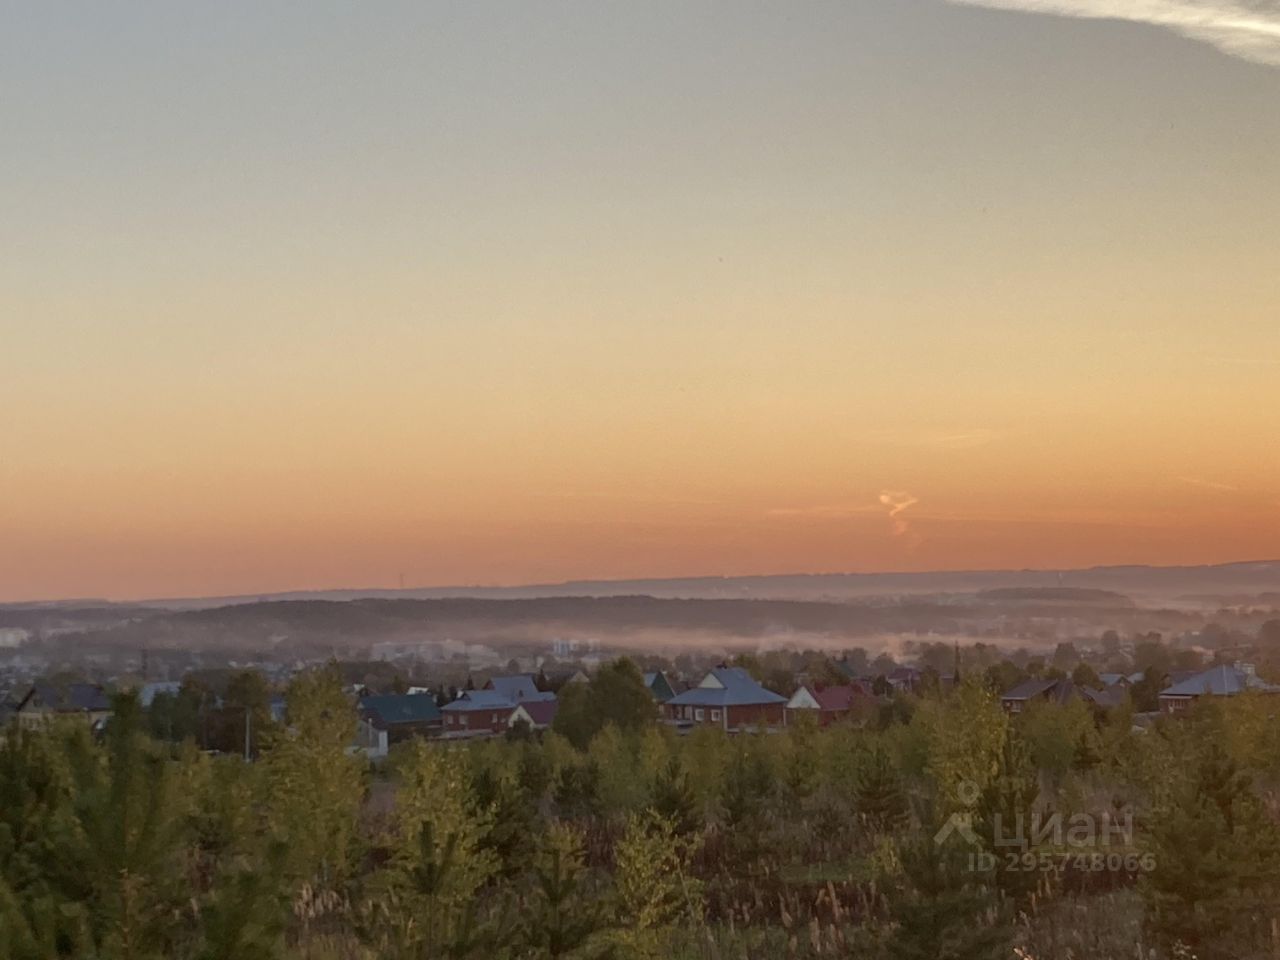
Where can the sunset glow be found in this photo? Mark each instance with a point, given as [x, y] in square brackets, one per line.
[497, 294]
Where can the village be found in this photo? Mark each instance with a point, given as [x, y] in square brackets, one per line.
[742, 694]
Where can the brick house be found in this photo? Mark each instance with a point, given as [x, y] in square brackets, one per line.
[728, 698]
[829, 704]
[1220, 681]
[489, 711]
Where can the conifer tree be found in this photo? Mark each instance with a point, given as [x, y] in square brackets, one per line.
[879, 795]
[673, 798]
[563, 918]
[1214, 885]
[942, 908]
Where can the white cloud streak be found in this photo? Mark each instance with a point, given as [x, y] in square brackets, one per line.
[898, 501]
[1249, 29]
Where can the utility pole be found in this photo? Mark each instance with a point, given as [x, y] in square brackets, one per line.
[248, 725]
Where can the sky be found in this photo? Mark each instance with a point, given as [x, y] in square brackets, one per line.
[353, 295]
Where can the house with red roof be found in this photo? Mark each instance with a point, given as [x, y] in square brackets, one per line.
[828, 704]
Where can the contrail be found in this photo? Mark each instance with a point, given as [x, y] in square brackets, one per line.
[898, 501]
[1243, 28]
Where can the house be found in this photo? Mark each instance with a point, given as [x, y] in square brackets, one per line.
[45, 702]
[1220, 681]
[827, 704]
[564, 676]
[727, 697]
[489, 711]
[518, 688]
[392, 718]
[659, 686]
[538, 714]
[1061, 691]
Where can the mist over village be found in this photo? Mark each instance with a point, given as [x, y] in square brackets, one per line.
[675, 480]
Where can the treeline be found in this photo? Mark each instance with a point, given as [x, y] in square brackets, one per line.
[615, 837]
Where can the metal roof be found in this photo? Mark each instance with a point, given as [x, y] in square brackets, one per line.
[1222, 681]
[479, 700]
[518, 688]
[392, 708]
[726, 687]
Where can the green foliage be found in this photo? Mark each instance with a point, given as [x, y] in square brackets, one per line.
[1053, 733]
[880, 798]
[563, 917]
[941, 907]
[643, 844]
[674, 800]
[616, 696]
[1215, 885]
[653, 882]
[313, 786]
[965, 735]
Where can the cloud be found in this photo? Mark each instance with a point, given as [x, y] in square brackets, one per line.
[898, 501]
[964, 439]
[1243, 28]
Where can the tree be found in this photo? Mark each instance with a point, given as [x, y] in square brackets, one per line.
[124, 859]
[1003, 676]
[941, 907]
[879, 795]
[563, 918]
[423, 903]
[1085, 676]
[1003, 814]
[1066, 656]
[674, 800]
[615, 696]
[1269, 634]
[577, 790]
[1214, 886]
[654, 887]
[314, 786]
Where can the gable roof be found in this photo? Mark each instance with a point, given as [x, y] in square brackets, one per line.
[1221, 681]
[67, 698]
[539, 712]
[1111, 696]
[480, 700]
[1028, 689]
[726, 687]
[659, 686]
[386, 710]
[517, 688]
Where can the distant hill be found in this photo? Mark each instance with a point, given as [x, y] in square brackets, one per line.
[1139, 582]
[1066, 595]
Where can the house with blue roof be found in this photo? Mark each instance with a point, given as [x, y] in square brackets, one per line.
[659, 686]
[518, 688]
[1219, 681]
[729, 698]
[46, 702]
[390, 718]
[489, 711]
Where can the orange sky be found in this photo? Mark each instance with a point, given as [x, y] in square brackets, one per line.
[480, 300]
